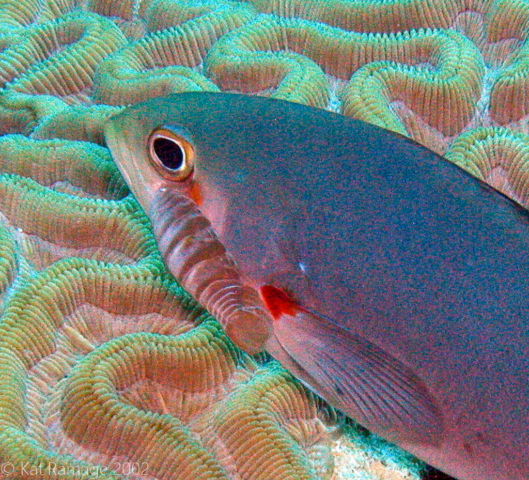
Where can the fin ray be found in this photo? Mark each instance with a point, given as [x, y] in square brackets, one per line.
[363, 380]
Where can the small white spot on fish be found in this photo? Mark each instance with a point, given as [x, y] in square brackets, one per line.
[240, 177]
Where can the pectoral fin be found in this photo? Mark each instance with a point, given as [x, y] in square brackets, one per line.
[354, 374]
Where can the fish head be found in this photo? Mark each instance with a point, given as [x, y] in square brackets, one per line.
[153, 151]
[186, 170]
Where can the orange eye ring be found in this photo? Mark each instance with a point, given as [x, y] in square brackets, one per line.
[171, 154]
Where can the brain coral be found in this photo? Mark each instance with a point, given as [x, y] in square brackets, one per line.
[108, 369]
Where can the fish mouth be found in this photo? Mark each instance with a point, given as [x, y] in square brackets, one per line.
[199, 261]
[132, 162]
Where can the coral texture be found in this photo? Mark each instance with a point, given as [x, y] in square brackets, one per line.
[108, 369]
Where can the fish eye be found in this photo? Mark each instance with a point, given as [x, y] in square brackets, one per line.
[171, 154]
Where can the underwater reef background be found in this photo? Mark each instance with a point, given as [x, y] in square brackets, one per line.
[108, 369]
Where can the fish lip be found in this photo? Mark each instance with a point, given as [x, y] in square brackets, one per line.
[143, 184]
[248, 331]
[115, 147]
[183, 234]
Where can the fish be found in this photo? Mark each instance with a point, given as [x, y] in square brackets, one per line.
[388, 280]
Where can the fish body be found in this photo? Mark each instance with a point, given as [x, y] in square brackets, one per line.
[388, 280]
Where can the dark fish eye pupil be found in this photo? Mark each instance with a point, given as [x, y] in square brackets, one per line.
[170, 154]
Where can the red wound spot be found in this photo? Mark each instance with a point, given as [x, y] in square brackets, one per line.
[278, 302]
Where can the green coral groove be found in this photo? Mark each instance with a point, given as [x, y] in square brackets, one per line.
[509, 96]
[147, 68]
[53, 63]
[383, 16]
[15, 15]
[258, 57]
[70, 221]
[498, 156]
[19, 113]
[162, 14]
[82, 123]
[196, 361]
[125, 10]
[8, 260]
[241, 60]
[444, 94]
[59, 57]
[37, 334]
[74, 167]
[30, 330]
[507, 19]
[252, 423]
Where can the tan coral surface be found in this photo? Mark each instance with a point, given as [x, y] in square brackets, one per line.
[108, 369]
